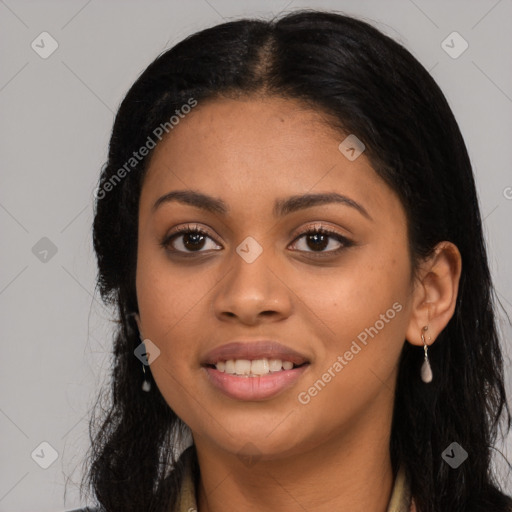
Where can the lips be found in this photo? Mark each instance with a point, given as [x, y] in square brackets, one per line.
[254, 387]
[261, 349]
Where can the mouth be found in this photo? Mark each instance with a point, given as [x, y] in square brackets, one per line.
[255, 367]
[254, 371]
[261, 352]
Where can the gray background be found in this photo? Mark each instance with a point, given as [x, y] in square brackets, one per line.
[56, 117]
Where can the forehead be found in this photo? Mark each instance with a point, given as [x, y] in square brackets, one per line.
[259, 147]
[249, 128]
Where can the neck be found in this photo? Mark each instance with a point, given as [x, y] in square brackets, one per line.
[347, 472]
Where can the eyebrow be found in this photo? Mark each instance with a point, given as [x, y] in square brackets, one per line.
[282, 207]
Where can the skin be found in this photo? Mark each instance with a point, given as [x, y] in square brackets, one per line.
[333, 452]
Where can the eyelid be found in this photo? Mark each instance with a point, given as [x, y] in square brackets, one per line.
[189, 227]
[317, 227]
[185, 229]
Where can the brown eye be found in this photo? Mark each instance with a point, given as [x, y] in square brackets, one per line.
[188, 240]
[319, 239]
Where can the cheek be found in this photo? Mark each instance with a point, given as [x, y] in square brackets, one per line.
[168, 301]
[365, 313]
[362, 309]
[166, 292]
[345, 300]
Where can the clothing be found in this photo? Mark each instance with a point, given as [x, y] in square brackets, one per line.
[400, 501]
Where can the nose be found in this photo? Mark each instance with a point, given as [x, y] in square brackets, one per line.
[253, 292]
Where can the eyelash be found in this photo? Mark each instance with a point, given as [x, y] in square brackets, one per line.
[320, 230]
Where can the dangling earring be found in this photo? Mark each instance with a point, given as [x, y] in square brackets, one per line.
[146, 384]
[426, 370]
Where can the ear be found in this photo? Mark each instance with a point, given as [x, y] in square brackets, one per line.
[435, 293]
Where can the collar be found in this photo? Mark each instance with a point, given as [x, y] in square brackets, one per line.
[400, 501]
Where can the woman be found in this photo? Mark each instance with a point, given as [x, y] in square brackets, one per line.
[288, 223]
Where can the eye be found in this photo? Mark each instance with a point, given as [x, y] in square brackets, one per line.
[193, 239]
[187, 239]
[319, 238]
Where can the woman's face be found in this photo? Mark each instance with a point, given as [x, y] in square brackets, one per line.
[340, 303]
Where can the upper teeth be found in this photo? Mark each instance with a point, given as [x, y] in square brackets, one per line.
[255, 367]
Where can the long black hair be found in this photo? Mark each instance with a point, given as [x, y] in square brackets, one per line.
[371, 86]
